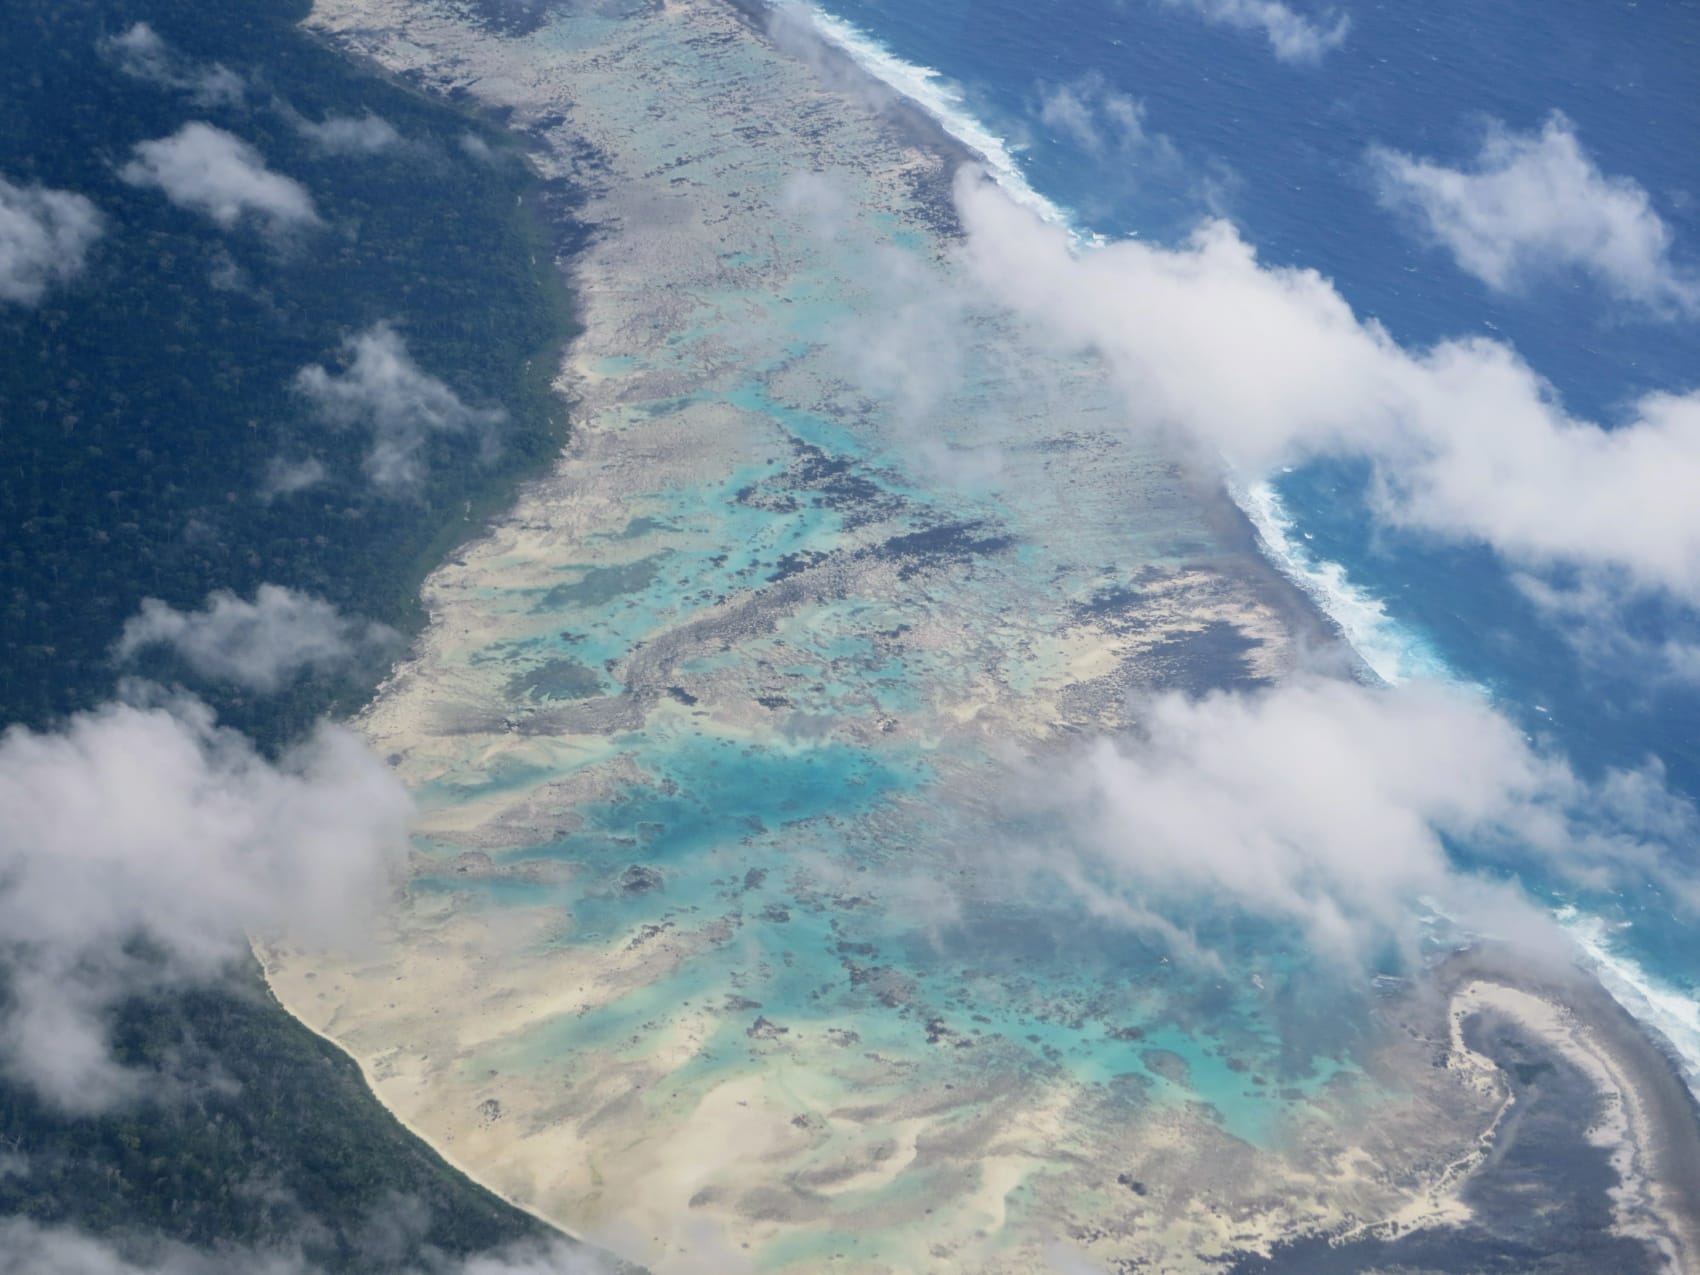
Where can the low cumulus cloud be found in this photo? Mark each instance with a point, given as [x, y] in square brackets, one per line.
[140, 843]
[383, 389]
[262, 644]
[45, 237]
[1331, 806]
[802, 31]
[366, 134]
[217, 174]
[1267, 366]
[913, 352]
[1292, 36]
[1533, 205]
[535, 1259]
[29, 1248]
[140, 53]
[1094, 116]
[286, 477]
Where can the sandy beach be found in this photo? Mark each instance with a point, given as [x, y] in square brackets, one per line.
[708, 733]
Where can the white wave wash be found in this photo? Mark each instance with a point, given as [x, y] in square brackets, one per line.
[935, 95]
[1393, 652]
[1671, 1012]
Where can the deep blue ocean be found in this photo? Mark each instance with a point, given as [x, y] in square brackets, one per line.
[1282, 150]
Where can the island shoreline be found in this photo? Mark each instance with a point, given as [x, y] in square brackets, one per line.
[1237, 538]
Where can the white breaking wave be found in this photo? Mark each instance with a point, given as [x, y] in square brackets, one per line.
[1394, 652]
[935, 95]
[1669, 1010]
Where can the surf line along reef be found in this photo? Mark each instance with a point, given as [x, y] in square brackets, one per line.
[730, 938]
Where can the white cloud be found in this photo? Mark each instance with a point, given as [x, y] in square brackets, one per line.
[151, 823]
[1329, 805]
[286, 477]
[215, 173]
[385, 389]
[1587, 609]
[555, 1258]
[366, 134]
[1292, 36]
[913, 348]
[1266, 366]
[1093, 115]
[29, 1248]
[260, 644]
[802, 31]
[140, 53]
[1535, 204]
[44, 239]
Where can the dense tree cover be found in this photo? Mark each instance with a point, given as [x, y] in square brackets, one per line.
[140, 405]
[258, 1135]
[141, 402]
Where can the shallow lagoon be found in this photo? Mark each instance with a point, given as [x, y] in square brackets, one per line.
[734, 920]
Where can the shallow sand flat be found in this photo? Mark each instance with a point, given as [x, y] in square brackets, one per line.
[719, 944]
[1645, 1120]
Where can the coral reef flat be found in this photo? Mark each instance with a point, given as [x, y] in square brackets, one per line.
[723, 946]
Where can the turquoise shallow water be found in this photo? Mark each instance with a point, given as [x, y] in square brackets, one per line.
[802, 825]
[797, 844]
[732, 742]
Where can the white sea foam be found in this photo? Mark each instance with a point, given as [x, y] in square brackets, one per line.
[934, 94]
[1671, 1011]
[1395, 652]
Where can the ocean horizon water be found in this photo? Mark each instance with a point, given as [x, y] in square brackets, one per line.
[972, 66]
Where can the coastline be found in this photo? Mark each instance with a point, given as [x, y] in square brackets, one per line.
[1238, 536]
[442, 1149]
[1582, 1114]
[1656, 1123]
[727, 1112]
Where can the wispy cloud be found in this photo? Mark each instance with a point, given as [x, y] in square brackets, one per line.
[45, 236]
[140, 53]
[1329, 805]
[217, 174]
[384, 389]
[30, 1248]
[1266, 366]
[1292, 36]
[260, 644]
[1535, 204]
[1589, 609]
[366, 134]
[146, 823]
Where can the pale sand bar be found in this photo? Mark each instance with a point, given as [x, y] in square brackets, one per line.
[638, 1084]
